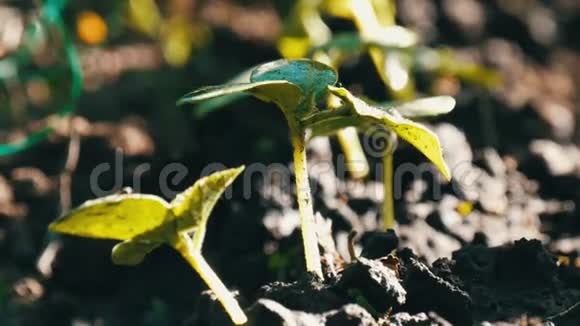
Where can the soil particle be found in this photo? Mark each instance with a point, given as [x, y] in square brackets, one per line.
[308, 294]
[379, 244]
[209, 311]
[271, 313]
[429, 292]
[350, 315]
[406, 319]
[377, 284]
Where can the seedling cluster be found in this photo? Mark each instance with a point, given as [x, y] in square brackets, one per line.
[300, 88]
[306, 92]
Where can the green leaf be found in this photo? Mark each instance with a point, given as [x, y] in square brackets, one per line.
[283, 93]
[287, 83]
[119, 217]
[415, 134]
[145, 222]
[214, 104]
[311, 76]
[193, 206]
[203, 108]
[423, 107]
[132, 252]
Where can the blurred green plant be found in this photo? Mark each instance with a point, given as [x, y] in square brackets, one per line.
[177, 32]
[33, 64]
[145, 222]
[300, 88]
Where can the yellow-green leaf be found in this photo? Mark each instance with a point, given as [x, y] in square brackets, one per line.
[132, 252]
[415, 134]
[119, 217]
[193, 206]
[303, 29]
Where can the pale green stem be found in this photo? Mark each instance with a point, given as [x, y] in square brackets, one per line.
[389, 200]
[388, 203]
[356, 161]
[305, 207]
[191, 251]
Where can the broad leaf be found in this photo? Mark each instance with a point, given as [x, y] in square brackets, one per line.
[283, 93]
[311, 76]
[193, 206]
[415, 134]
[119, 217]
[423, 107]
[205, 107]
[214, 104]
[287, 83]
[145, 221]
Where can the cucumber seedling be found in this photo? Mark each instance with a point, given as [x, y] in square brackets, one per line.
[358, 113]
[297, 87]
[144, 222]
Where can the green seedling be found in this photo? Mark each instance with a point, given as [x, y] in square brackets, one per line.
[144, 222]
[304, 30]
[394, 52]
[421, 108]
[306, 34]
[297, 87]
[358, 113]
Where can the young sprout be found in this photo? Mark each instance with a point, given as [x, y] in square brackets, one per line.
[295, 86]
[420, 108]
[392, 48]
[145, 222]
[358, 113]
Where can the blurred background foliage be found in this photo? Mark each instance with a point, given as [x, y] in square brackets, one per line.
[183, 43]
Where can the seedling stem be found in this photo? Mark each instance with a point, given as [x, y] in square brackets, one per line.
[190, 249]
[389, 203]
[305, 207]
